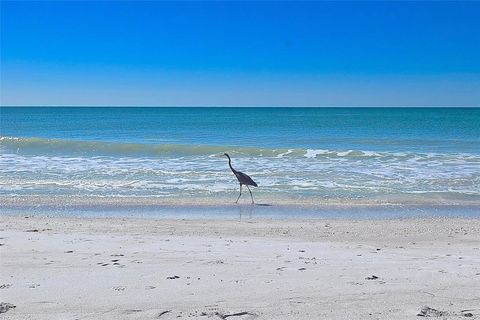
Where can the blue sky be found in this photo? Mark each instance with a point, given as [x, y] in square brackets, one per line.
[240, 53]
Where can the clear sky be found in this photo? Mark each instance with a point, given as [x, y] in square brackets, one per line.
[240, 53]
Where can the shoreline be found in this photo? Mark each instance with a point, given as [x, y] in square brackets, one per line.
[312, 201]
[134, 268]
[224, 208]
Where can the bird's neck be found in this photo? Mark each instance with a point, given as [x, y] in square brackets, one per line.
[230, 165]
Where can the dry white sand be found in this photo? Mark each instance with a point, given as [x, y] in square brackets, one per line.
[114, 268]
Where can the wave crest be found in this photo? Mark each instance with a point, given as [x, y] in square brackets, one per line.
[48, 147]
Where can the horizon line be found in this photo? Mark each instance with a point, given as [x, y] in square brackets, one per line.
[235, 106]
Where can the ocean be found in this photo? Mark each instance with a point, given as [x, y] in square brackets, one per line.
[79, 158]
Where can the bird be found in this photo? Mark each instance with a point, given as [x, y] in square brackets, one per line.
[242, 178]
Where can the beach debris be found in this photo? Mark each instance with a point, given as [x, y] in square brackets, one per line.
[133, 311]
[238, 314]
[5, 286]
[5, 306]
[69, 251]
[32, 230]
[163, 312]
[466, 312]
[372, 277]
[430, 312]
[173, 277]
[215, 262]
[302, 269]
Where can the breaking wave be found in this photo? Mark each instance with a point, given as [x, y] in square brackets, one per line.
[59, 147]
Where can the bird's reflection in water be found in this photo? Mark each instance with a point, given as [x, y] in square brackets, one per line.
[246, 211]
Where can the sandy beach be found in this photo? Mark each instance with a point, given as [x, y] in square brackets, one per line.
[127, 268]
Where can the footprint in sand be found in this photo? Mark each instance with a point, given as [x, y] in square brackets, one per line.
[5, 306]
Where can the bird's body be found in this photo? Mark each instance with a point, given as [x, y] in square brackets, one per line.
[245, 179]
[242, 178]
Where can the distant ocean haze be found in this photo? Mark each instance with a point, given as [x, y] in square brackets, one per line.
[349, 155]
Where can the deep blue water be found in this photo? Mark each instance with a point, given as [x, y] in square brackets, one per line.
[370, 129]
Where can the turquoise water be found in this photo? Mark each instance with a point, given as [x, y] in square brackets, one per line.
[296, 155]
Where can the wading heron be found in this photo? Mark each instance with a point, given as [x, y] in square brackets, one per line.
[242, 178]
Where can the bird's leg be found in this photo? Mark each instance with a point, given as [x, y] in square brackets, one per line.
[253, 202]
[240, 193]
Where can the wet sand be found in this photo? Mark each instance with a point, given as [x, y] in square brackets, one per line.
[126, 268]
